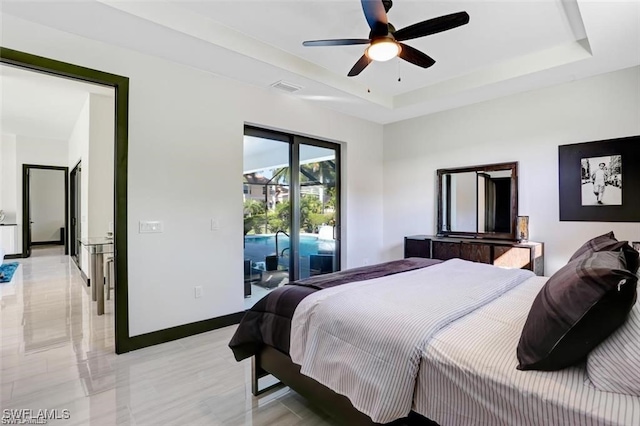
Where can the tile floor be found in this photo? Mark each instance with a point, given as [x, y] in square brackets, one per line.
[56, 353]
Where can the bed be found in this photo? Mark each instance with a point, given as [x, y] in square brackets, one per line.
[458, 368]
[491, 389]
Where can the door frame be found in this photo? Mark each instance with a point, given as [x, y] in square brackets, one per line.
[26, 204]
[123, 342]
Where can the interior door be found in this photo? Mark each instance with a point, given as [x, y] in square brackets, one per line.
[26, 214]
[74, 232]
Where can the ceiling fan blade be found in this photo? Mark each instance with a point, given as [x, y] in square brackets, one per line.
[337, 42]
[376, 17]
[432, 26]
[415, 56]
[359, 66]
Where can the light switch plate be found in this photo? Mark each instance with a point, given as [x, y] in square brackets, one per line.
[150, 227]
[214, 224]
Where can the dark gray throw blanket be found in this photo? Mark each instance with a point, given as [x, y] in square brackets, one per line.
[268, 322]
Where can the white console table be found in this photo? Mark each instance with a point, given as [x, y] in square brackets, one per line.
[9, 238]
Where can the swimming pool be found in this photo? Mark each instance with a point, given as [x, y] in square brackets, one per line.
[258, 247]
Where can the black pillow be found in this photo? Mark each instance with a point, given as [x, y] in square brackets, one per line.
[632, 258]
[580, 306]
[608, 242]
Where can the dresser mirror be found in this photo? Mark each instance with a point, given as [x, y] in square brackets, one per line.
[479, 201]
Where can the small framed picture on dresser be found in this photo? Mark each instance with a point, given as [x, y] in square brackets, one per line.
[600, 181]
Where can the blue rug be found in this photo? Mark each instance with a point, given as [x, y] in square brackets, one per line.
[7, 270]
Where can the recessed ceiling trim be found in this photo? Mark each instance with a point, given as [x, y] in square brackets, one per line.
[574, 18]
[192, 24]
[185, 21]
[517, 67]
[611, 28]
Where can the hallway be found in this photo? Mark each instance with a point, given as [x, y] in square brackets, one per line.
[54, 347]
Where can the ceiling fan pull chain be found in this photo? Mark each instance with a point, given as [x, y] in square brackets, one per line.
[399, 78]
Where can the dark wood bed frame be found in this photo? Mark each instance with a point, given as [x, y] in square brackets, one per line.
[272, 361]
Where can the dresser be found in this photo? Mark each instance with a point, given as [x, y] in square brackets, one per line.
[512, 254]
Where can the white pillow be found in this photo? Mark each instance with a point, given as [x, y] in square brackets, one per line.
[614, 365]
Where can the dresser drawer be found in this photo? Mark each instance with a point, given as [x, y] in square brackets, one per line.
[417, 247]
[475, 252]
[512, 257]
[445, 250]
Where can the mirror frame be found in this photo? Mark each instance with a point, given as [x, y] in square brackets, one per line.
[513, 166]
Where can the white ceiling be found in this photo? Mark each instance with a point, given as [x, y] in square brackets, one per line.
[40, 105]
[509, 46]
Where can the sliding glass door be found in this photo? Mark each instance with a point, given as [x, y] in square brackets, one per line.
[318, 209]
[267, 219]
[291, 193]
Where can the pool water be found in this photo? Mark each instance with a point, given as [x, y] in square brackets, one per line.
[258, 247]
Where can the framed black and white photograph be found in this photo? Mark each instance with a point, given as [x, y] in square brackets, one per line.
[602, 181]
[591, 177]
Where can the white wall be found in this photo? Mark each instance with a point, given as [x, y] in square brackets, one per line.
[8, 200]
[2, 161]
[78, 151]
[527, 128]
[185, 167]
[8, 196]
[78, 144]
[92, 143]
[100, 170]
[47, 192]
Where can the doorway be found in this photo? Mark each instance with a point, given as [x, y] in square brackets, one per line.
[291, 193]
[45, 206]
[123, 342]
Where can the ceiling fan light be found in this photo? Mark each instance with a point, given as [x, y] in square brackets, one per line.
[383, 50]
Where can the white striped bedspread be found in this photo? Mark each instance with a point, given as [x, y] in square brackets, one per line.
[364, 340]
[468, 376]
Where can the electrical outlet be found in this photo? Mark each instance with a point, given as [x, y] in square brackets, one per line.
[365, 261]
[150, 226]
[197, 290]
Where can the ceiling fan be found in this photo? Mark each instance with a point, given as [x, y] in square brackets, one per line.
[385, 41]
